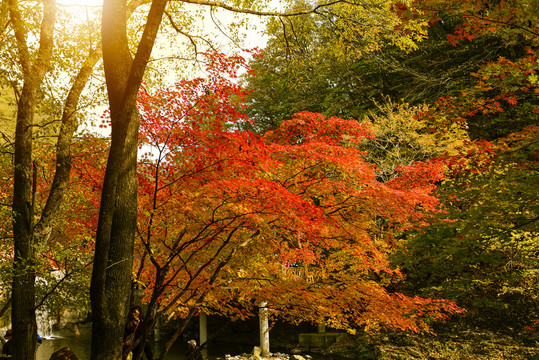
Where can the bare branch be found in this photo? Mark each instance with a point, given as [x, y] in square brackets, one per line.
[189, 36]
[218, 25]
[264, 13]
[59, 282]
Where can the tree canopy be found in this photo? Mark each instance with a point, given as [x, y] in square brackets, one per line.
[374, 168]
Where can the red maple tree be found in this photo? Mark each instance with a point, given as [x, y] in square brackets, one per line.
[295, 218]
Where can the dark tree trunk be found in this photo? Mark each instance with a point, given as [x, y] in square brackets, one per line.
[113, 258]
[23, 286]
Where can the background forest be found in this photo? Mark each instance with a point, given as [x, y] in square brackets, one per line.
[373, 167]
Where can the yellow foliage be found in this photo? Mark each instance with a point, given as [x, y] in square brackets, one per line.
[404, 135]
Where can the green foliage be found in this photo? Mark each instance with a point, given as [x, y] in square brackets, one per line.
[317, 63]
[484, 251]
[310, 72]
[461, 345]
[307, 69]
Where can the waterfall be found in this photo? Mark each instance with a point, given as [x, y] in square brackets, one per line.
[44, 323]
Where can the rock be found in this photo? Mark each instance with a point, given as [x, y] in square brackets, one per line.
[274, 356]
[256, 352]
[64, 354]
[280, 356]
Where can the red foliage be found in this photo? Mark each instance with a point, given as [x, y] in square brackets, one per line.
[222, 210]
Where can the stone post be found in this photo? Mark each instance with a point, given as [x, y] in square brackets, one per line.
[264, 328]
[203, 333]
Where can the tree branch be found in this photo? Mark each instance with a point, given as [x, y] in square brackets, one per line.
[263, 13]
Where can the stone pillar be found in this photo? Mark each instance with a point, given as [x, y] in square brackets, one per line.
[264, 328]
[203, 333]
[321, 328]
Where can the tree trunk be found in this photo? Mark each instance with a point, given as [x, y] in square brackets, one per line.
[111, 275]
[43, 228]
[113, 258]
[23, 315]
[23, 287]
